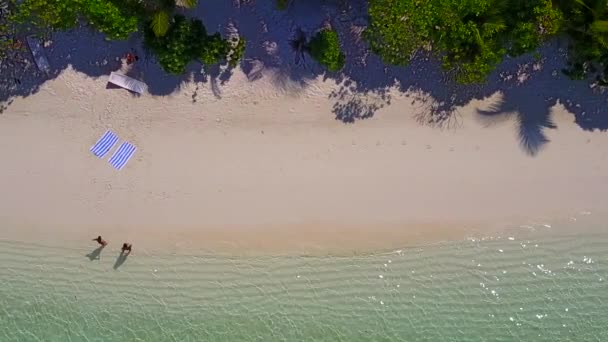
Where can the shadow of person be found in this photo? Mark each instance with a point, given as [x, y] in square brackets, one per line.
[121, 259]
[95, 254]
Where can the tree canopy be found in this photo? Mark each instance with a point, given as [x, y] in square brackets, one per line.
[187, 40]
[175, 40]
[325, 48]
[106, 16]
[470, 36]
[587, 25]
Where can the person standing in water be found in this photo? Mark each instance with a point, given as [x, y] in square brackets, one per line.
[125, 251]
[101, 241]
[126, 248]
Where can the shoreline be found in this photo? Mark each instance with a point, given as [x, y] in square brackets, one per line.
[314, 241]
[260, 157]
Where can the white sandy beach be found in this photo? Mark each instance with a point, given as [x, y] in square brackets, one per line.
[263, 167]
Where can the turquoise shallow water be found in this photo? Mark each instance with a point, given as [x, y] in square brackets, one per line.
[505, 289]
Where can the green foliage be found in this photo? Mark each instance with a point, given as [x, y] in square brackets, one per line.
[391, 30]
[55, 14]
[471, 36]
[587, 26]
[179, 46]
[549, 17]
[185, 41]
[116, 18]
[213, 49]
[162, 13]
[325, 48]
[6, 43]
[237, 51]
[108, 18]
[104, 15]
[282, 4]
[160, 23]
[525, 39]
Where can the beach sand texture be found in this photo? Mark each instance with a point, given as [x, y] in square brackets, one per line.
[274, 153]
[256, 159]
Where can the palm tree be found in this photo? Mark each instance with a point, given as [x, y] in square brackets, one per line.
[186, 3]
[590, 37]
[160, 23]
[599, 26]
[163, 13]
[595, 20]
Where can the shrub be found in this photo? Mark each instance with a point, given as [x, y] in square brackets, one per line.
[587, 25]
[104, 15]
[237, 50]
[162, 12]
[55, 14]
[394, 30]
[185, 41]
[325, 48]
[160, 23]
[179, 46]
[213, 49]
[108, 18]
[471, 36]
[6, 44]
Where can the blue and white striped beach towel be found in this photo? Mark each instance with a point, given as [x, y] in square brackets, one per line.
[104, 144]
[122, 155]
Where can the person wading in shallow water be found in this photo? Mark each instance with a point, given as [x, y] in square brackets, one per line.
[126, 248]
[101, 241]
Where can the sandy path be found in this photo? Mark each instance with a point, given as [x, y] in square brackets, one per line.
[260, 167]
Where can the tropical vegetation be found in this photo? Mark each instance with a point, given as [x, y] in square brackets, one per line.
[106, 16]
[469, 37]
[6, 36]
[472, 36]
[178, 46]
[587, 26]
[325, 48]
[175, 40]
[161, 13]
[236, 51]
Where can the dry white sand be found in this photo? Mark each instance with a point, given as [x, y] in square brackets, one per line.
[263, 167]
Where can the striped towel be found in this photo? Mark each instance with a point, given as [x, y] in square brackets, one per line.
[122, 155]
[104, 144]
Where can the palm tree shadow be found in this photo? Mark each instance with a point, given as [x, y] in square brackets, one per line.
[121, 260]
[532, 120]
[95, 254]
